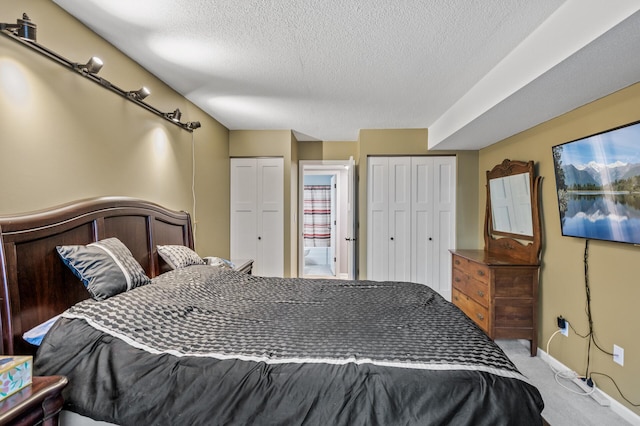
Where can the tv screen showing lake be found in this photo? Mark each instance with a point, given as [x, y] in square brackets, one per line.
[613, 217]
[598, 185]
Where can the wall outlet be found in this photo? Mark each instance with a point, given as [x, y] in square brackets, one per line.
[563, 325]
[618, 355]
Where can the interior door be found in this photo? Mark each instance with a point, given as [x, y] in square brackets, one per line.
[351, 220]
[346, 210]
[333, 218]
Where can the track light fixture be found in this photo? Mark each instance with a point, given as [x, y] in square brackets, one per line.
[24, 28]
[139, 94]
[175, 115]
[24, 32]
[92, 67]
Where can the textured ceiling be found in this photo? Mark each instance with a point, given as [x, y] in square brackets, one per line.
[328, 68]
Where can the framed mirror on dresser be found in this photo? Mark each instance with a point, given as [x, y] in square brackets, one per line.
[497, 287]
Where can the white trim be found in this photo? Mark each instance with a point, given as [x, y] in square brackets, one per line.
[616, 406]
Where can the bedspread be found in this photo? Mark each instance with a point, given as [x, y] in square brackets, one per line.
[201, 345]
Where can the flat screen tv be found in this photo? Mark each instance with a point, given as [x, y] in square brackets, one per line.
[598, 185]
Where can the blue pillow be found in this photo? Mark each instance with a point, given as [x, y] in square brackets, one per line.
[36, 334]
[106, 268]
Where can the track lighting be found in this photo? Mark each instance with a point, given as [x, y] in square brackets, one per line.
[24, 28]
[92, 67]
[175, 115]
[139, 94]
[24, 32]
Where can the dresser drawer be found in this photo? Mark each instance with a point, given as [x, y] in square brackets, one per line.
[478, 313]
[475, 270]
[477, 290]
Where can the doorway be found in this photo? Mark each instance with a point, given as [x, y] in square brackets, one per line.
[326, 238]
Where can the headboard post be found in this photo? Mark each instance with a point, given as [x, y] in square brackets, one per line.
[36, 285]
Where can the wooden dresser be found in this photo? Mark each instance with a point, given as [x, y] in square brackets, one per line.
[498, 293]
[498, 287]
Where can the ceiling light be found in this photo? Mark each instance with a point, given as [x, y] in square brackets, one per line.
[139, 94]
[175, 115]
[24, 28]
[92, 67]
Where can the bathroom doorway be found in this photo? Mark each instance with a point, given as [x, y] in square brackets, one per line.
[327, 225]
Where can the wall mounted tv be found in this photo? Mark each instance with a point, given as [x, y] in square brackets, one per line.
[598, 185]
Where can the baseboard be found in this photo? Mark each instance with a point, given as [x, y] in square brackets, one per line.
[617, 407]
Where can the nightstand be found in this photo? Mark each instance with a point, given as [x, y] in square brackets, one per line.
[39, 403]
[243, 265]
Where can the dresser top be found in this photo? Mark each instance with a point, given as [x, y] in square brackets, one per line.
[482, 256]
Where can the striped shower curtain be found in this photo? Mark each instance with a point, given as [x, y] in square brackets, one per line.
[317, 215]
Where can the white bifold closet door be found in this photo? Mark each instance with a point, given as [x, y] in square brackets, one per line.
[411, 220]
[257, 213]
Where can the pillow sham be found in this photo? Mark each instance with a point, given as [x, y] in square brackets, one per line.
[106, 267]
[178, 256]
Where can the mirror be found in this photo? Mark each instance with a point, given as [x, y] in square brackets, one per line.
[512, 217]
[511, 204]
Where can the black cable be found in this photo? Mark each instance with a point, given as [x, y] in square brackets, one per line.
[616, 385]
[591, 335]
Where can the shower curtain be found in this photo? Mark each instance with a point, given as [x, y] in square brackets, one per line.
[317, 215]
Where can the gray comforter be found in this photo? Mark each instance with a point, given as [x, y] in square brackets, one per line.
[201, 345]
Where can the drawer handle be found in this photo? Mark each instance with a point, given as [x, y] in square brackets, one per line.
[480, 316]
[457, 262]
[481, 273]
[480, 293]
[457, 279]
[455, 298]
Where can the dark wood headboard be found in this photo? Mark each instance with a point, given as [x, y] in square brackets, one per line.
[36, 285]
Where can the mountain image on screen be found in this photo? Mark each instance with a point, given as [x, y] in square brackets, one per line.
[598, 185]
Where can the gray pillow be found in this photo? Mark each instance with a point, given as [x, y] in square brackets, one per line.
[106, 267]
[178, 256]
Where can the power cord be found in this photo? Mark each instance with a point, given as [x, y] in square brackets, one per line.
[591, 335]
[194, 223]
[567, 375]
[592, 339]
[616, 385]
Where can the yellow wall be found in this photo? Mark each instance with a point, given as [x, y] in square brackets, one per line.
[63, 137]
[414, 142]
[613, 267]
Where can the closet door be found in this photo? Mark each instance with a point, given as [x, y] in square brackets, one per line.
[270, 213]
[400, 188]
[411, 220]
[444, 223]
[378, 219]
[244, 209]
[257, 213]
[433, 221]
[389, 219]
[422, 217]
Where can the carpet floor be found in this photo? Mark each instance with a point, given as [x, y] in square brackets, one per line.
[561, 406]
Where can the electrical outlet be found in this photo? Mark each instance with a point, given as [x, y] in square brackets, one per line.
[565, 330]
[618, 355]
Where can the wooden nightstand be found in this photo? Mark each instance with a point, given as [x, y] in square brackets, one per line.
[243, 265]
[39, 403]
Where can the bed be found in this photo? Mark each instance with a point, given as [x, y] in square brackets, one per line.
[249, 350]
